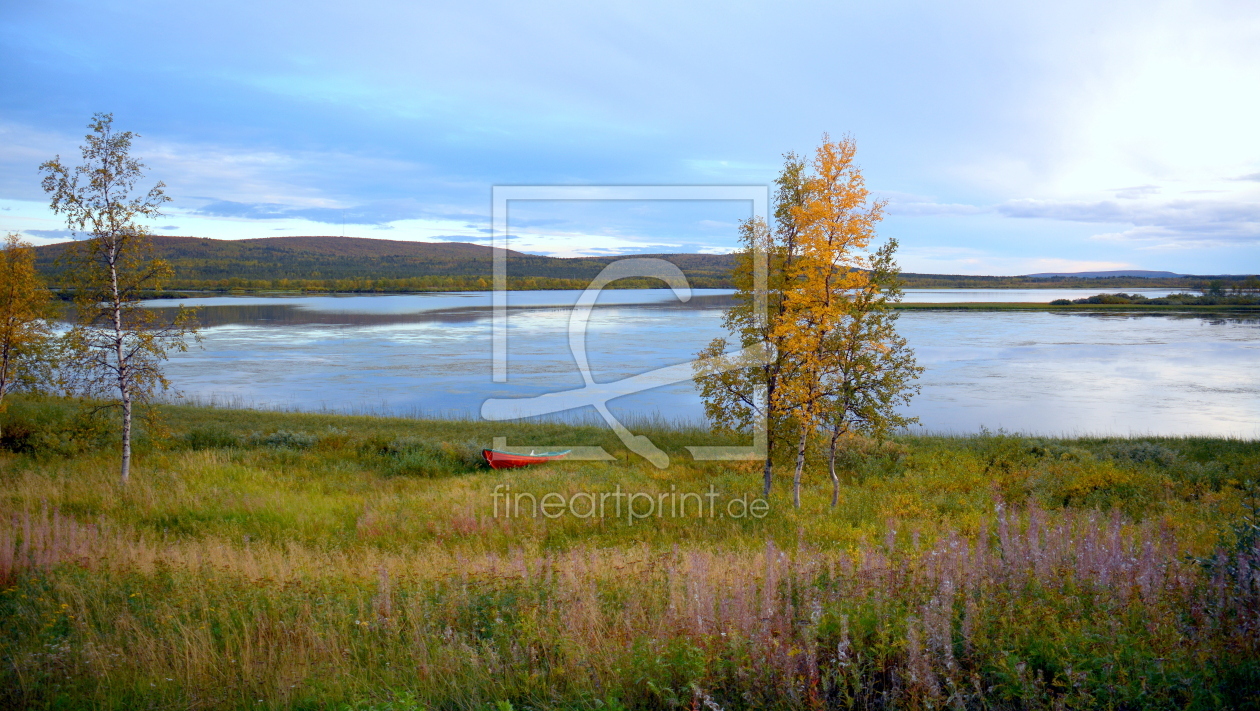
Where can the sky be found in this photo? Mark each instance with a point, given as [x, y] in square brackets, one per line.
[1007, 137]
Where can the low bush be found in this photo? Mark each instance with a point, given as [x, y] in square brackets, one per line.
[52, 427]
[407, 456]
[211, 438]
[1061, 452]
[1140, 452]
[285, 439]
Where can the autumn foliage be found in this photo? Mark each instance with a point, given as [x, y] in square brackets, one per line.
[838, 367]
[24, 308]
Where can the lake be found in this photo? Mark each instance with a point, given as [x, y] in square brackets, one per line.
[430, 355]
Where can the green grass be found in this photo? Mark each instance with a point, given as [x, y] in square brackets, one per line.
[307, 561]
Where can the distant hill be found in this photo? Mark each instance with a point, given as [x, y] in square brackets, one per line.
[360, 263]
[1100, 275]
[284, 249]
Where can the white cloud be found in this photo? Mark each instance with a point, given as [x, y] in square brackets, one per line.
[1169, 222]
[718, 225]
[1160, 238]
[576, 244]
[957, 260]
[1138, 191]
[1055, 264]
[1155, 94]
[24, 149]
[933, 209]
[1022, 120]
[33, 219]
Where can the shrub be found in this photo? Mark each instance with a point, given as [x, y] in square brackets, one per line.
[1052, 450]
[1238, 551]
[468, 453]
[333, 439]
[1142, 453]
[1211, 475]
[399, 445]
[1120, 298]
[411, 456]
[862, 457]
[418, 462]
[285, 439]
[1100, 486]
[211, 438]
[1002, 452]
[47, 427]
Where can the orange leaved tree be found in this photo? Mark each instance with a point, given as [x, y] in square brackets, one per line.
[24, 312]
[826, 321]
[835, 224]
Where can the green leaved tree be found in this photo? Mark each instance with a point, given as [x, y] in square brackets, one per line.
[116, 347]
[742, 397]
[871, 370]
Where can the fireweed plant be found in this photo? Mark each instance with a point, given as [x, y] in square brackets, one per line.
[315, 561]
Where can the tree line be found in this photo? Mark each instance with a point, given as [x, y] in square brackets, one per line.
[1244, 292]
[179, 287]
[364, 264]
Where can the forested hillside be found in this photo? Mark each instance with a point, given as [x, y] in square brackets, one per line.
[359, 264]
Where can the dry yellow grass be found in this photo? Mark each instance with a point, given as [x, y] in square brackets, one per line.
[997, 572]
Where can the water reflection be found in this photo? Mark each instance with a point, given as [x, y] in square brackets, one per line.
[1049, 372]
[1078, 373]
[459, 306]
[1041, 296]
[419, 308]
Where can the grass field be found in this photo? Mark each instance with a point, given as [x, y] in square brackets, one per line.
[265, 560]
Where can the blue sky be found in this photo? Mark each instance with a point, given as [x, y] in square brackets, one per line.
[1008, 137]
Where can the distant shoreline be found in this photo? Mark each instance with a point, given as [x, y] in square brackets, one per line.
[356, 265]
[1034, 306]
[927, 306]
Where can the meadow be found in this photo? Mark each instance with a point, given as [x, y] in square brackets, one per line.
[270, 560]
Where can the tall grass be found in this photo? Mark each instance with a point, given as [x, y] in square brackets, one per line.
[287, 561]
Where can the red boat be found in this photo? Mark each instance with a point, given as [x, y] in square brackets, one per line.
[512, 460]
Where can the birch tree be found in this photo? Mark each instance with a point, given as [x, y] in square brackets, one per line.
[743, 397]
[835, 224]
[117, 346]
[872, 369]
[24, 310]
[838, 363]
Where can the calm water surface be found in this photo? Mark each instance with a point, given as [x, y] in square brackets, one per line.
[1042, 372]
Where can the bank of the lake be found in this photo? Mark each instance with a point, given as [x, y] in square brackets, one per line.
[308, 561]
